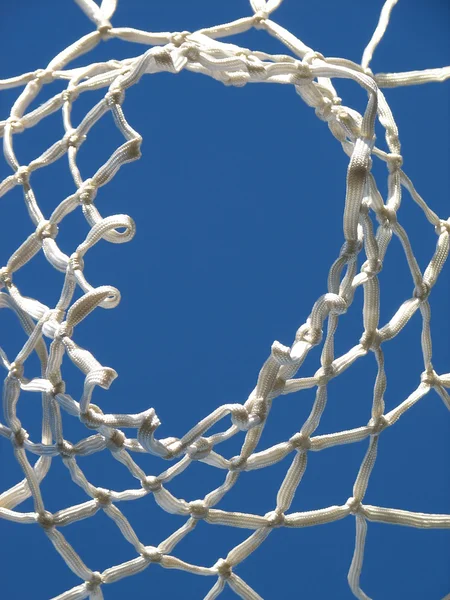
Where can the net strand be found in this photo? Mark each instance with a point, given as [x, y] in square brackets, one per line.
[369, 225]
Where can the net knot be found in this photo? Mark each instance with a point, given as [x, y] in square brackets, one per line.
[59, 388]
[46, 229]
[92, 417]
[66, 449]
[114, 97]
[444, 226]
[258, 411]
[116, 440]
[104, 29]
[23, 175]
[354, 505]
[378, 424]
[387, 216]
[300, 441]
[151, 483]
[324, 110]
[198, 509]
[103, 496]
[95, 581]
[372, 267]
[45, 519]
[422, 291]
[16, 370]
[87, 192]
[64, 330]
[350, 248]
[371, 340]
[430, 377]
[76, 262]
[173, 447]
[259, 19]
[254, 66]
[199, 449]
[324, 374]
[179, 37]
[394, 162]
[44, 75]
[5, 277]
[304, 73]
[275, 519]
[73, 139]
[152, 554]
[240, 417]
[311, 56]
[19, 437]
[70, 95]
[16, 124]
[308, 334]
[190, 51]
[224, 569]
[237, 463]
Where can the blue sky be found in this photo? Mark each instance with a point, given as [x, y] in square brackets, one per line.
[234, 189]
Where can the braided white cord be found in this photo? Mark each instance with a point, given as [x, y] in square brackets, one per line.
[201, 52]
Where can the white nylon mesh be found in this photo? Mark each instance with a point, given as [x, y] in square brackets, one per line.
[311, 75]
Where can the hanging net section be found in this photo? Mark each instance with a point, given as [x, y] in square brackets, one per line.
[369, 223]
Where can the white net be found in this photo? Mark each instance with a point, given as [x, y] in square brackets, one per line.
[369, 223]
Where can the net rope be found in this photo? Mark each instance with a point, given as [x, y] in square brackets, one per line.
[369, 224]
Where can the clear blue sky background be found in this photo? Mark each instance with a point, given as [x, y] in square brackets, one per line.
[233, 192]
